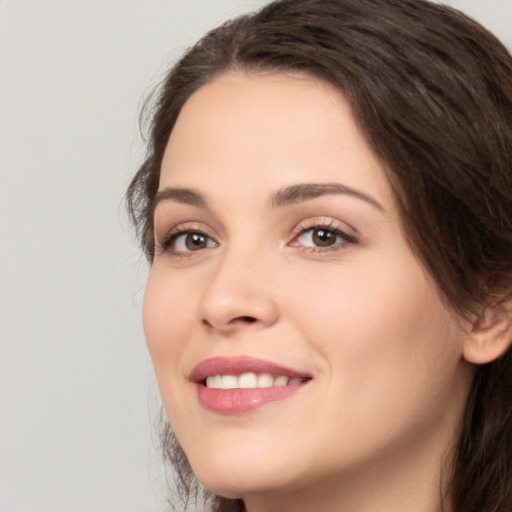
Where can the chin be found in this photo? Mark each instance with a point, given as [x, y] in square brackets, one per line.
[235, 486]
[246, 476]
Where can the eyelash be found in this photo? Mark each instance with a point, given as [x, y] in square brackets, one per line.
[327, 227]
[172, 236]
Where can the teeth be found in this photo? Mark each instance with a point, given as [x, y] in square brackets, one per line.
[229, 382]
[265, 380]
[250, 381]
[281, 381]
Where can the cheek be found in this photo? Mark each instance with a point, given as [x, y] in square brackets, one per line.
[392, 297]
[166, 318]
[390, 351]
[384, 324]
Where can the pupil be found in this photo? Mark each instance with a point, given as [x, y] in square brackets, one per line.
[195, 241]
[323, 238]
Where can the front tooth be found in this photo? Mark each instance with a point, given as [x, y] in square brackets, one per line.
[214, 381]
[229, 382]
[281, 381]
[265, 380]
[248, 380]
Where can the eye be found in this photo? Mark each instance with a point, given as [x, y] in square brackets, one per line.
[187, 241]
[319, 237]
[322, 237]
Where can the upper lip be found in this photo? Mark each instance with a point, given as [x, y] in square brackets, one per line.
[238, 365]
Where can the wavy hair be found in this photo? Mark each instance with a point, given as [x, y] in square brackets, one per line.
[432, 92]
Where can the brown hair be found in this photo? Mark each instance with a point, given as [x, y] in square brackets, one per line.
[432, 92]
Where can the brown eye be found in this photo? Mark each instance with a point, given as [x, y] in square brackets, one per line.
[323, 237]
[195, 241]
[189, 241]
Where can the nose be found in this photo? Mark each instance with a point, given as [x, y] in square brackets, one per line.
[238, 295]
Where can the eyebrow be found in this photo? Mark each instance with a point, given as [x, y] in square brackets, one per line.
[284, 197]
[306, 191]
[179, 195]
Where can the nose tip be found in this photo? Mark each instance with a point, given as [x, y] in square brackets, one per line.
[237, 299]
[226, 318]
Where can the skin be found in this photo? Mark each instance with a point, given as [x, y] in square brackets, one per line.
[362, 317]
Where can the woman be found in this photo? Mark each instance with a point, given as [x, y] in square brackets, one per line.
[326, 204]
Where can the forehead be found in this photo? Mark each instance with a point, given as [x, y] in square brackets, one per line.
[280, 129]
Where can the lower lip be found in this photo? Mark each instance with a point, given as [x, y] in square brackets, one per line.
[241, 401]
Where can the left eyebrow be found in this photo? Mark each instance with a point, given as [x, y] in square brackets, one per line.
[306, 191]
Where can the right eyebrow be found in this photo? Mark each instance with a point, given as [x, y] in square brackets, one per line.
[179, 195]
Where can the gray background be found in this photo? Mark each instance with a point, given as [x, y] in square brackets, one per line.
[77, 397]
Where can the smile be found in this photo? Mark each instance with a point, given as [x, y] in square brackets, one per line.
[251, 380]
[239, 385]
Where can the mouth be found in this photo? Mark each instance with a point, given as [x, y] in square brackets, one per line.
[238, 385]
[251, 380]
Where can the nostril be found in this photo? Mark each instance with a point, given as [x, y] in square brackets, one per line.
[247, 319]
[233, 321]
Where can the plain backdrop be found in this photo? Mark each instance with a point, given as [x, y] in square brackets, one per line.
[77, 396]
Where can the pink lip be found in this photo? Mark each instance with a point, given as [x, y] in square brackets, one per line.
[240, 401]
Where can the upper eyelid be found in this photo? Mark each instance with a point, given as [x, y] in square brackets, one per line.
[346, 237]
[181, 226]
[342, 229]
[174, 234]
[165, 237]
[326, 222]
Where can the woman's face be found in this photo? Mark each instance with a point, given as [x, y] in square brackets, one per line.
[281, 263]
